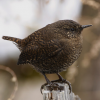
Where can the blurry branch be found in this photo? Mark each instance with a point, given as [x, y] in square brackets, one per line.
[72, 72]
[94, 51]
[92, 3]
[96, 6]
[96, 20]
[14, 79]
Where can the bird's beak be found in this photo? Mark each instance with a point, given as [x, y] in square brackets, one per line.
[85, 26]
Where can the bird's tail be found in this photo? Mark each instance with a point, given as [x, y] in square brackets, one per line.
[16, 40]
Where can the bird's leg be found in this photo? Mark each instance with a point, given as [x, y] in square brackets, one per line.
[61, 79]
[52, 85]
[47, 80]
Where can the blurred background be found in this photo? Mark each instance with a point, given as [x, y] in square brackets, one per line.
[19, 18]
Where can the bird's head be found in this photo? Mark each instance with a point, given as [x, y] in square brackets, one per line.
[69, 28]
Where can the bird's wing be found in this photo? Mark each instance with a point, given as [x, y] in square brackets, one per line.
[40, 51]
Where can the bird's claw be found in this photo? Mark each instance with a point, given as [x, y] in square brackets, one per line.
[52, 86]
[64, 81]
[42, 87]
[70, 87]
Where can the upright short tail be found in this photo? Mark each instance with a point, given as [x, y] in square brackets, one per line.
[16, 40]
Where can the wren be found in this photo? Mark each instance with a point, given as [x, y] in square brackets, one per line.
[51, 49]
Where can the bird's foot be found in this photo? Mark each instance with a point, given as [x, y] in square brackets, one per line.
[52, 86]
[64, 81]
[42, 87]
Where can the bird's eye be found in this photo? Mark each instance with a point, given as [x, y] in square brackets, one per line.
[72, 29]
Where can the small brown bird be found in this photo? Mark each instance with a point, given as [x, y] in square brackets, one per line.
[52, 48]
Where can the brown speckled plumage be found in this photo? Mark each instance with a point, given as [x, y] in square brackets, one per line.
[52, 48]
